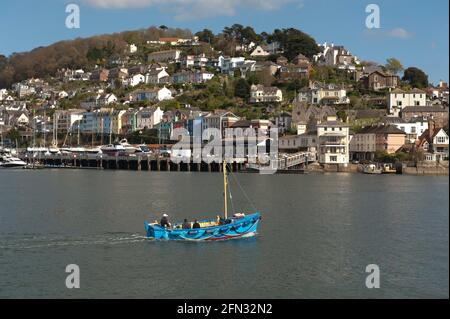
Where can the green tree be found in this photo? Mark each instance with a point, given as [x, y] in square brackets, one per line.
[393, 65]
[294, 41]
[242, 89]
[415, 77]
[206, 36]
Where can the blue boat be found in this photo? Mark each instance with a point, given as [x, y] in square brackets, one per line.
[221, 228]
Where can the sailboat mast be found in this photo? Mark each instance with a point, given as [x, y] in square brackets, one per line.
[225, 206]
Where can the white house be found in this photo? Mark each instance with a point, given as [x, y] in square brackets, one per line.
[156, 76]
[135, 80]
[133, 48]
[229, 64]
[399, 99]
[413, 129]
[260, 93]
[319, 93]
[164, 94]
[336, 56]
[259, 52]
[333, 141]
[3, 94]
[106, 99]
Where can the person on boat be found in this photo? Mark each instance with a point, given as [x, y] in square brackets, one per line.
[165, 221]
[196, 224]
[186, 224]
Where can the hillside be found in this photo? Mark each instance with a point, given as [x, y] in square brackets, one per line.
[85, 53]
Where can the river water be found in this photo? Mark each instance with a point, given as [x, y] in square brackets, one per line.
[318, 234]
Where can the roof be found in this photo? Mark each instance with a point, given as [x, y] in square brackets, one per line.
[242, 123]
[431, 108]
[381, 129]
[400, 91]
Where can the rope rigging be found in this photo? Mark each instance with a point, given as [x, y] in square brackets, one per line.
[242, 190]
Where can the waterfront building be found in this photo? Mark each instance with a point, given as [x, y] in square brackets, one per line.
[333, 141]
[147, 118]
[435, 143]
[129, 121]
[65, 120]
[220, 120]
[382, 138]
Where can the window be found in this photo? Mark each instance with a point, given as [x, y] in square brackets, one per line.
[333, 158]
[441, 139]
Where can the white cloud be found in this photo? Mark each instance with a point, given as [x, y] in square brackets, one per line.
[191, 9]
[399, 33]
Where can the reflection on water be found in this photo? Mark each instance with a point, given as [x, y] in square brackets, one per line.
[317, 235]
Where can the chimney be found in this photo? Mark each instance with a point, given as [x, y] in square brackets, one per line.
[431, 128]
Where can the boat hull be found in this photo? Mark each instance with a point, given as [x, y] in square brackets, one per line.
[243, 227]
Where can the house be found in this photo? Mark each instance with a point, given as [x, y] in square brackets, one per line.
[132, 48]
[382, 138]
[305, 117]
[320, 93]
[260, 93]
[291, 72]
[259, 52]
[3, 94]
[156, 76]
[399, 99]
[99, 75]
[268, 66]
[165, 56]
[434, 142]
[147, 118]
[135, 79]
[379, 80]
[333, 142]
[336, 56]
[283, 122]
[219, 119]
[67, 120]
[106, 99]
[117, 74]
[413, 128]
[300, 59]
[116, 121]
[229, 64]
[129, 121]
[437, 113]
[23, 90]
[137, 69]
[155, 94]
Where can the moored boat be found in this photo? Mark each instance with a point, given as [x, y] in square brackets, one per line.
[11, 162]
[371, 169]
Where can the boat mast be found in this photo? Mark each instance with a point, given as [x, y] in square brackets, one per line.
[225, 208]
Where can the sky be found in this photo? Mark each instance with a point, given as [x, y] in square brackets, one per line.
[415, 32]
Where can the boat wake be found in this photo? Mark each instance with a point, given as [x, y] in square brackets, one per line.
[36, 241]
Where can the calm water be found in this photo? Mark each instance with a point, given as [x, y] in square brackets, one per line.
[318, 234]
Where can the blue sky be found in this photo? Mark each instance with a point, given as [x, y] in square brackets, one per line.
[415, 32]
